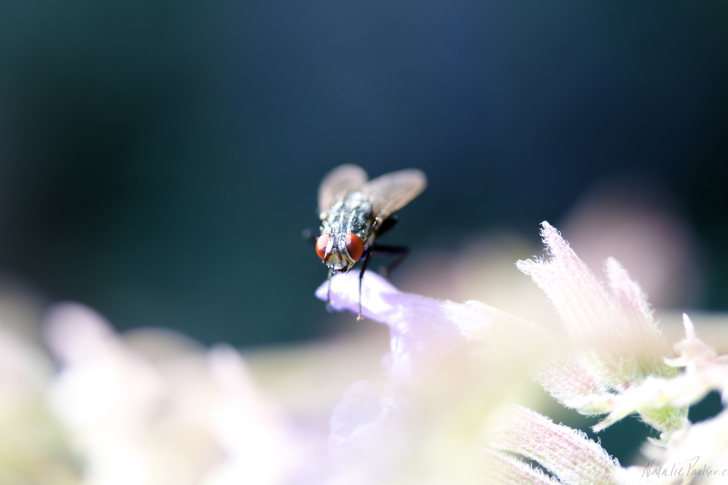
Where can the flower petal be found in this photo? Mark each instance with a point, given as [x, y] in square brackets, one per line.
[704, 371]
[507, 470]
[372, 428]
[581, 302]
[368, 433]
[619, 343]
[573, 383]
[423, 330]
[567, 453]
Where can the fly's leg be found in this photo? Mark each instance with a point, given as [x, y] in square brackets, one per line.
[328, 294]
[361, 276]
[400, 251]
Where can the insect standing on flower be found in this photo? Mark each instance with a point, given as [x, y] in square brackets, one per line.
[355, 211]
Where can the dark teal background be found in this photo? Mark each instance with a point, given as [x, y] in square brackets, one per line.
[159, 159]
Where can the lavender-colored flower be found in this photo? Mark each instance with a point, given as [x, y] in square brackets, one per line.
[438, 358]
[450, 353]
[423, 330]
[607, 356]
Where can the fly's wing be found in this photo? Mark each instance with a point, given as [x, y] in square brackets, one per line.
[394, 190]
[338, 183]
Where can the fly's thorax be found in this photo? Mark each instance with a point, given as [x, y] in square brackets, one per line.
[352, 215]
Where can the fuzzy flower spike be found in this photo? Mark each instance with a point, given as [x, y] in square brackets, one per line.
[616, 340]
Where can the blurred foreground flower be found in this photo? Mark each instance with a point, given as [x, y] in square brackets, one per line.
[163, 411]
[455, 401]
[33, 448]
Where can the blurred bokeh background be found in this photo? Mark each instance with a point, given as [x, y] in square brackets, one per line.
[158, 160]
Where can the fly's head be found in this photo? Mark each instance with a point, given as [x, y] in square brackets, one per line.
[339, 251]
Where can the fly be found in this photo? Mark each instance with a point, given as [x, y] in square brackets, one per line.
[354, 211]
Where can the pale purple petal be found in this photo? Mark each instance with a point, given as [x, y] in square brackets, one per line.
[77, 334]
[372, 426]
[258, 442]
[101, 380]
[423, 330]
[149, 413]
[368, 433]
[369, 426]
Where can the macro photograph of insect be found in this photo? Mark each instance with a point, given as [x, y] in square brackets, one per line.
[384, 242]
[355, 211]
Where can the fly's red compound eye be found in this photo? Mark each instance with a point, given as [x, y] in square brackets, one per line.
[354, 246]
[321, 243]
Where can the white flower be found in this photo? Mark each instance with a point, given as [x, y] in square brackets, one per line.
[154, 409]
[33, 446]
